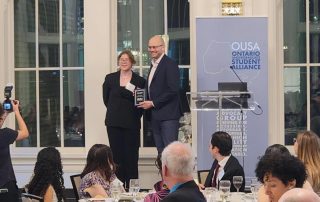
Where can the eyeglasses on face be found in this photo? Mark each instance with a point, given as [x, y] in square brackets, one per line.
[154, 47]
[124, 60]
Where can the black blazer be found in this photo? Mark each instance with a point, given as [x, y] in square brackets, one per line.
[164, 90]
[232, 168]
[187, 192]
[119, 101]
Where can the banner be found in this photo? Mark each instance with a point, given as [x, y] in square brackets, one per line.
[240, 43]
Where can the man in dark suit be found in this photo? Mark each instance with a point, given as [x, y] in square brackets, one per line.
[177, 168]
[163, 95]
[225, 166]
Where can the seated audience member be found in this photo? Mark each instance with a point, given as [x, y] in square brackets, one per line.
[274, 149]
[178, 164]
[161, 190]
[277, 149]
[280, 173]
[307, 149]
[99, 173]
[225, 165]
[47, 180]
[299, 195]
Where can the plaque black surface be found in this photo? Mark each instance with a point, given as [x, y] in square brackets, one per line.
[139, 96]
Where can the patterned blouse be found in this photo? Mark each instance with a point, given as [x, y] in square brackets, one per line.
[161, 192]
[93, 178]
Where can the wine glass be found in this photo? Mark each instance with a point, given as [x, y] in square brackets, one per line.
[134, 187]
[237, 182]
[254, 187]
[224, 188]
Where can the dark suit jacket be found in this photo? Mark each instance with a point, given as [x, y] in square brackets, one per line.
[187, 192]
[119, 101]
[232, 168]
[164, 90]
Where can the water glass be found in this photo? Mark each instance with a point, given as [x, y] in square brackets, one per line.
[224, 188]
[134, 187]
[115, 190]
[237, 182]
[255, 186]
[209, 193]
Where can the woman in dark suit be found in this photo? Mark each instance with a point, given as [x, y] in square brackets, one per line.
[123, 117]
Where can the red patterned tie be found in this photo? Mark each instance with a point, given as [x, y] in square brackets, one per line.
[214, 179]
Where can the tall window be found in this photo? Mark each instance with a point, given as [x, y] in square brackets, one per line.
[49, 70]
[138, 20]
[301, 66]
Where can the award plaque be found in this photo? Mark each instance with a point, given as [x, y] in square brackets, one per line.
[139, 96]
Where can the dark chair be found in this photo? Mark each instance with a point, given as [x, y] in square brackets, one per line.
[76, 180]
[202, 175]
[31, 198]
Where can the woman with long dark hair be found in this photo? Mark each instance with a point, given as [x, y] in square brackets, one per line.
[47, 180]
[99, 173]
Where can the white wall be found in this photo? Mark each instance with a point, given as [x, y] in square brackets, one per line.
[100, 59]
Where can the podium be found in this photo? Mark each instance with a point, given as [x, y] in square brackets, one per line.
[224, 102]
[221, 100]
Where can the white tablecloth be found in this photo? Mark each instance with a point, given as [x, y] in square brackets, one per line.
[233, 197]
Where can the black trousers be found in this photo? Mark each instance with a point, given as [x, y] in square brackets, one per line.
[13, 194]
[124, 144]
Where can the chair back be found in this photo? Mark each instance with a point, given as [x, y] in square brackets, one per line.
[202, 175]
[76, 180]
[31, 198]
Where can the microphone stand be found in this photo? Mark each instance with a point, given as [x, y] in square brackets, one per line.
[231, 67]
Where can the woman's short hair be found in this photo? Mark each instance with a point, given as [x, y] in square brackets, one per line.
[282, 166]
[130, 55]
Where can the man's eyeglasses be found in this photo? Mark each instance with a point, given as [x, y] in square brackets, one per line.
[154, 47]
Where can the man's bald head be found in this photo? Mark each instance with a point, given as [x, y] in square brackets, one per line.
[156, 46]
[299, 195]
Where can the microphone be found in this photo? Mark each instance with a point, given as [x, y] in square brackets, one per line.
[243, 86]
[231, 67]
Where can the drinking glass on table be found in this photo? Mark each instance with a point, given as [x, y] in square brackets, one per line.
[237, 182]
[224, 188]
[209, 193]
[115, 190]
[134, 187]
[254, 187]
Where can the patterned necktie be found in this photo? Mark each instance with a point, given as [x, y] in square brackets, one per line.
[214, 179]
